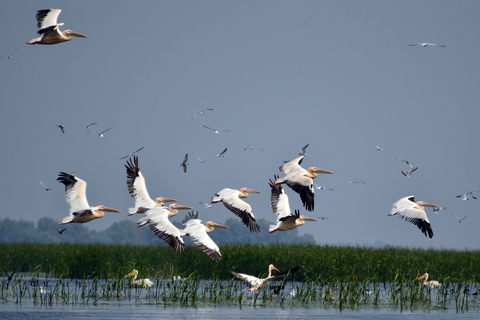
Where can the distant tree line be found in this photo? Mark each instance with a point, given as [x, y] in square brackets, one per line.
[48, 230]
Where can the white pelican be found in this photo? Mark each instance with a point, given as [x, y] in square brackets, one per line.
[45, 187]
[231, 199]
[301, 180]
[215, 130]
[49, 32]
[100, 134]
[425, 44]
[409, 172]
[413, 212]
[258, 283]
[221, 154]
[75, 193]
[143, 283]
[131, 154]
[465, 197]
[199, 234]
[280, 206]
[201, 113]
[138, 189]
[303, 152]
[62, 127]
[184, 164]
[429, 284]
[459, 220]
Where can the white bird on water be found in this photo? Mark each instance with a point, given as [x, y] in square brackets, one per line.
[429, 284]
[49, 32]
[143, 283]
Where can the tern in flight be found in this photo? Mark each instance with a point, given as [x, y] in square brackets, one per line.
[319, 187]
[62, 127]
[214, 130]
[46, 189]
[459, 220]
[10, 55]
[355, 182]
[207, 205]
[201, 160]
[425, 44]
[304, 150]
[89, 126]
[251, 148]
[61, 231]
[436, 209]
[201, 113]
[131, 154]
[465, 197]
[100, 134]
[184, 164]
[409, 172]
[221, 154]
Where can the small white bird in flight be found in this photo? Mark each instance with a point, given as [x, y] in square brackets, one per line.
[89, 126]
[304, 150]
[355, 182]
[409, 172]
[46, 189]
[201, 160]
[425, 44]
[251, 148]
[215, 130]
[459, 220]
[11, 54]
[221, 154]
[201, 113]
[131, 154]
[436, 209]
[319, 187]
[100, 134]
[207, 205]
[465, 197]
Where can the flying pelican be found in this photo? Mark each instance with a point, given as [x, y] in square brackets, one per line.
[319, 187]
[75, 194]
[215, 130]
[184, 164]
[199, 234]
[465, 197]
[89, 125]
[46, 189]
[11, 54]
[425, 44]
[100, 134]
[62, 128]
[429, 284]
[413, 212]
[459, 220]
[221, 154]
[143, 283]
[201, 113]
[258, 283]
[231, 199]
[301, 180]
[355, 182]
[131, 154]
[281, 207]
[409, 172]
[138, 189]
[49, 32]
[151, 214]
[304, 150]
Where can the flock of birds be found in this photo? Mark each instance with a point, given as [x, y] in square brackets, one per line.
[156, 214]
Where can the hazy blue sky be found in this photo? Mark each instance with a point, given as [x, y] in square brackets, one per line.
[279, 74]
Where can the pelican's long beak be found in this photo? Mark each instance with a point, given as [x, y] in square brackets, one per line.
[252, 191]
[183, 208]
[218, 225]
[131, 274]
[323, 171]
[79, 35]
[426, 204]
[274, 268]
[421, 277]
[169, 200]
[110, 210]
[307, 218]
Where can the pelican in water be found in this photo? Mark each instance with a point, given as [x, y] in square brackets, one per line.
[49, 32]
[281, 207]
[413, 212]
[75, 194]
[301, 180]
[138, 189]
[258, 283]
[231, 199]
[429, 284]
[425, 44]
[143, 283]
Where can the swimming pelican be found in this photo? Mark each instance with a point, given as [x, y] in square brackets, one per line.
[201, 113]
[413, 212]
[131, 154]
[215, 130]
[258, 283]
[429, 284]
[184, 164]
[231, 199]
[425, 44]
[281, 207]
[199, 234]
[138, 189]
[143, 283]
[75, 194]
[49, 32]
[409, 172]
[303, 152]
[301, 180]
